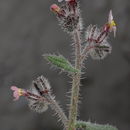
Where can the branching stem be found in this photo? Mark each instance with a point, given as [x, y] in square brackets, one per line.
[85, 51]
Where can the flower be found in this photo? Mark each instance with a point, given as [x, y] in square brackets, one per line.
[111, 25]
[17, 92]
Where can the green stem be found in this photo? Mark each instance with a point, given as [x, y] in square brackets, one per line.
[75, 84]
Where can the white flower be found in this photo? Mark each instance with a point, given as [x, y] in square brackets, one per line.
[111, 23]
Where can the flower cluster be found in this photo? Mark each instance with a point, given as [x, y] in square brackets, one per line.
[37, 95]
[97, 38]
[40, 97]
[68, 15]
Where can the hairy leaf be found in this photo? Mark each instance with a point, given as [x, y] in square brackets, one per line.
[61, 62]
[82, 125]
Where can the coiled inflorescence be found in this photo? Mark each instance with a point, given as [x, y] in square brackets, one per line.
[68, 15]
[97, 39]
[40, 87]
[37, 95]
[40, 97]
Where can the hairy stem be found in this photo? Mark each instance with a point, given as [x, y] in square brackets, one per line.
[85, 51]
[46, 94]
[73, 111]
[58, 110]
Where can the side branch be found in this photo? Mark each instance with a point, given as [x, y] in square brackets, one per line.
[58, 110]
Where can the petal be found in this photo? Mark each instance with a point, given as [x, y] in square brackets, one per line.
[110, 17]
[114, 30]
[14, 88]
[16, 98]
[16, 94]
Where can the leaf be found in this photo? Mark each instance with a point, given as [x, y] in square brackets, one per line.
[61, 62]
[82, 125]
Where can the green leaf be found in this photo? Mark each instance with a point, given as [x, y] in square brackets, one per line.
[61, 62]
[82, 125]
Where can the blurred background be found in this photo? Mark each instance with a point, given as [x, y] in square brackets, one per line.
[27, 30]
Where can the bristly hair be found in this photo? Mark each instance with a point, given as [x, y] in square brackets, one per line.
[38, 105]
[97, 40]
[39, 87]
[42, 89]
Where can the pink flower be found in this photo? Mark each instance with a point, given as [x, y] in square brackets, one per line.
[17, 92]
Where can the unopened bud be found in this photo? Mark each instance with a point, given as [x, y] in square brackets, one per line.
[55, 8]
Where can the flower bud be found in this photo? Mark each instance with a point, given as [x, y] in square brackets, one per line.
[55, 8]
